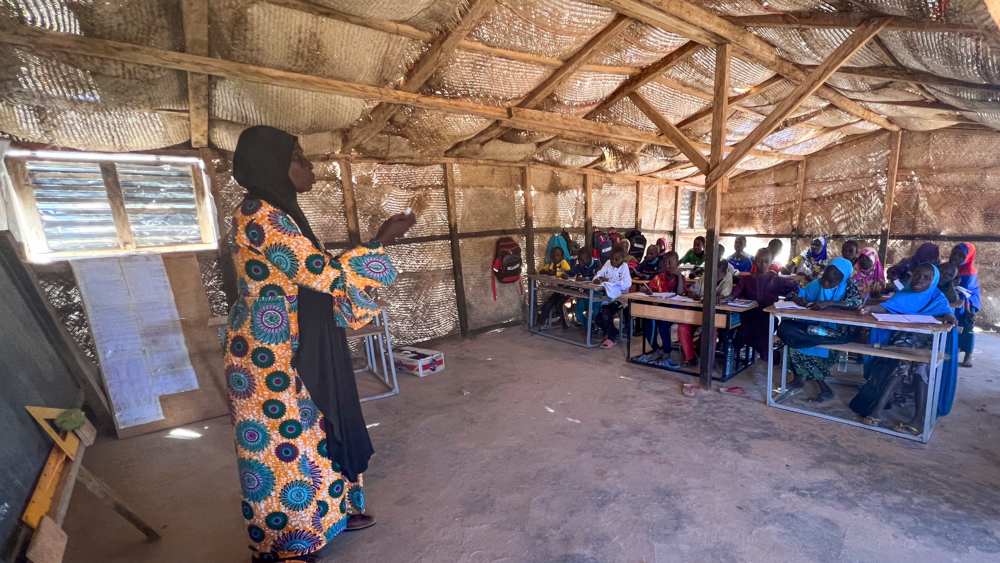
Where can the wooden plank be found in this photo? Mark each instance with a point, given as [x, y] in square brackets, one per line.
[529, 219]
[48, 543]
[800, 188]
[706, 112]
[675, 315]
[648, 74]
[677, 218]
[550, 122]
[456, 249]
[206, 219]
[108, 496]
[846, 21]
[588, 210]
[638, 206]
[29, 220]
[713, 207]
[350, 202]
[666, 13]
[195, 14]
[117, 201]
[912, 76]
[441, 48]
[839, 56]
[895, 146]
[894, 352]
[539, 93]
[410, 32]
[671, 132]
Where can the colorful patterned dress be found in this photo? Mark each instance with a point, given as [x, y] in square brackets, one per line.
[294, 498]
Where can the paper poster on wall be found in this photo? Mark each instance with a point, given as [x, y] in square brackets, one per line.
[137, 332]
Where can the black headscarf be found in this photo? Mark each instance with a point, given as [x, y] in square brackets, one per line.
[323, 360]
[260, 165]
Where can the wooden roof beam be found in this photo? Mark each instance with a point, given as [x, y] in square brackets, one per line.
[706, 112]
[665, 13]
[671, 132]
[912, 76]
[647, 75]
[442, 47]
[806, 88]
[846, 21]
[542, 91]
[195, 18]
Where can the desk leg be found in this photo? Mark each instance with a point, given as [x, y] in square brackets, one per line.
[590, 316]
[768, 393]
[532, 290]
[933, 382]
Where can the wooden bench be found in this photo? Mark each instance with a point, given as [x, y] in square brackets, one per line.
[894, 352]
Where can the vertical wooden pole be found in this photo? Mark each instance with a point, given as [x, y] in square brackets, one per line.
[800, 187]
[117, 200]
[638, 206]
[29, 221]
[350, 203]
[529, 219]
[456, 249]
[588, 211]
[208, 156]
[895, 145]
[206, 223]
[713, 207]
[195, 17]
[679, 194]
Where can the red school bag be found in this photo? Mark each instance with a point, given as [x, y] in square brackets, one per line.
[507, 263]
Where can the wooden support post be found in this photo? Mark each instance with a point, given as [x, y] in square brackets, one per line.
[350, 202]
[117, 200]
[713, 206]
[456, 249]
[195, 15]
[206, 222]
[107, 495]
[588, 210]
[638, 206]
[800, 187]
[895, 145]
[529, 220]
[677, 217]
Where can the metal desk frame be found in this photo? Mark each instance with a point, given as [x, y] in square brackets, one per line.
[742, 359]
[938, 333]
[378, 350]
[572, 288]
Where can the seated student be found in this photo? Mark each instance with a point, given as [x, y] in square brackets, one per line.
[630, 260]
[556, 266]
[661, 243]
[949, 284]
[850, 250]
[723, 289]
[964, 256]
[765, 287]
[695, 256]
[739, 259]
[927, 253]
[921, 296]
[615, 278]
[583, 268]
[668, 280]
[868, 273]
[774, 246]
[811, 263]
[833, 290]
[650, 265]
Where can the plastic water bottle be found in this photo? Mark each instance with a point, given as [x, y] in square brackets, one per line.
[817, 330]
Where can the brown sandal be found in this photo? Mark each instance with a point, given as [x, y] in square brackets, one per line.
[357, 522]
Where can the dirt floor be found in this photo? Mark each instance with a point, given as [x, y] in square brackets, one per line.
[527, 449]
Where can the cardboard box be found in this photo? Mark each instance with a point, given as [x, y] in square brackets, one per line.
[420, 362]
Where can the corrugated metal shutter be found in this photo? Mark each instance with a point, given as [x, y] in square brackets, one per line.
[160, 203]
[73, 205]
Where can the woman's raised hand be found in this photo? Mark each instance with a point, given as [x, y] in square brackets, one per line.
[395, 227]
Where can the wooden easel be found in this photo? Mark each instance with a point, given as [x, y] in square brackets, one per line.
[49, 502]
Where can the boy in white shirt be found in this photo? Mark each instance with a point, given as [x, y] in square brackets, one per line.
[615, 278]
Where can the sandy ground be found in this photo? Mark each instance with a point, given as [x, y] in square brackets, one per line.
[527, 449]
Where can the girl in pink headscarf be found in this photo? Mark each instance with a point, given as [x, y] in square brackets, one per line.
[869, 275]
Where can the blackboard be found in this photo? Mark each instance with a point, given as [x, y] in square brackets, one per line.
[32, 372]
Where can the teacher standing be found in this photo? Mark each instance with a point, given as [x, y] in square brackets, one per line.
[301, 440]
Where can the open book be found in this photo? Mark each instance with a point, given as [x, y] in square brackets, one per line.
[906, 319]
[785, 304]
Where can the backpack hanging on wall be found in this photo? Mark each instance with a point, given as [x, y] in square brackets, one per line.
[602, 245]
[507, 263]
[637, 244]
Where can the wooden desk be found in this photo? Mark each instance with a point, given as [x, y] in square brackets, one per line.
[935, 357]
[685, 311]
[592, 292]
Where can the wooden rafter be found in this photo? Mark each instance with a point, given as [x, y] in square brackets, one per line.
[671, 132]
[912, 76]
[443, 46]
[847, 21]
[665, 13]
[806, 88]
[539, 93]
[706, 112]
[195, 16]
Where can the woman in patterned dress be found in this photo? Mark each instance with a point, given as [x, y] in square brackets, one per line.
[296, 495]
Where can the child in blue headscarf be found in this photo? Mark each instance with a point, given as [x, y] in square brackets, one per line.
[811, 263]
[833, 290]
[920, 296]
